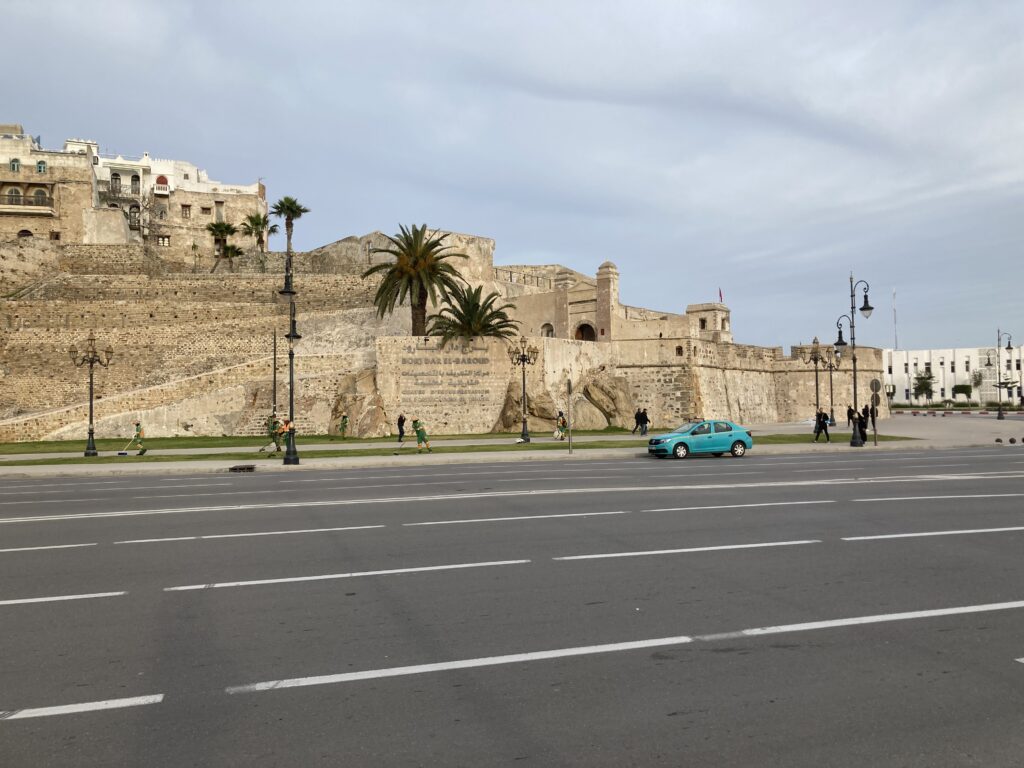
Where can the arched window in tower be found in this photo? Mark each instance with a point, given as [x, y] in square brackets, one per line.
[15, 165]
[136, 184]
[547, 331]
[115, 183]
[585, 332]
[41, 166]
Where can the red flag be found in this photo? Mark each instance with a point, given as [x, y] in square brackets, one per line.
[720, 299]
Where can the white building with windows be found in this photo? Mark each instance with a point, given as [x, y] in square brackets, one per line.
[950, 367]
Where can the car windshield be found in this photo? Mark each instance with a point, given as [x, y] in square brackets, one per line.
[686, 427]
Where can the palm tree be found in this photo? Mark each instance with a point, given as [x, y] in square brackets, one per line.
[221, 231]
[289, 209]
[466, 315]
[231, 252]
[258, 226]
[419, 271]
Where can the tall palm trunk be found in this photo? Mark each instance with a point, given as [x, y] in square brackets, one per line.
[288, 232]
[419, 313]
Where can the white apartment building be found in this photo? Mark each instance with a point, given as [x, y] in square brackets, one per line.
[950, 367]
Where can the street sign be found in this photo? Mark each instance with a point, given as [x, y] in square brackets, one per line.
[876, 400]
[876, 385]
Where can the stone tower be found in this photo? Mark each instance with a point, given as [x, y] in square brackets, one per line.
[607, 300]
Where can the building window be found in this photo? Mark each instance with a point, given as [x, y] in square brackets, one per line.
[890, 370]
[927, 367]
[906, 367]
[161, 213]
[133, 217]
[39, 197]
[1008, 361]
[136, 184]
[163, 241]
[55, 235]
[41, 166]
[967, 366]
[547, 331]
[14, 197]
[906, 394]
[679, 351]
[115, 183]
[186, 177]
[15, 165]
[220, 209]
[1018, 364]
[952, 366]
[703, 324]
[186, 211]
[206, 210]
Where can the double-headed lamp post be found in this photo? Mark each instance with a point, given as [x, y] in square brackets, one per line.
[91, 356]
[999, 369]
[523, 356]
[840, 345]
[830, 361]
[815, 357]
[291, 455]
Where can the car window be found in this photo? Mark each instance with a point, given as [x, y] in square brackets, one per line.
[721, 426]
[702, 429]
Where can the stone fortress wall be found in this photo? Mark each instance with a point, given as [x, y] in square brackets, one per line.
[192, 349]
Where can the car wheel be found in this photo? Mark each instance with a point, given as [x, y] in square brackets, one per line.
[738, 449]
[717, 453]
[680, 451]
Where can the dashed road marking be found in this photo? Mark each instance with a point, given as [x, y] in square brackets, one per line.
[56, 598]
[644, 553]
[85, 706]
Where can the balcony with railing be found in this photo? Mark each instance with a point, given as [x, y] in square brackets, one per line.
[162, 189]
[504, 275]
[26, 205]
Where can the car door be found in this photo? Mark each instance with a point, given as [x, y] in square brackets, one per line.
[702, 438]
[723, 436]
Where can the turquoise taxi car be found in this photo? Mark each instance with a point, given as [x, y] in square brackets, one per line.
[714, 436]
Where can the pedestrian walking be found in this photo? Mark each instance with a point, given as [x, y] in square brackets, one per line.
[849, 415]
[282, 432]
[645, 422]
[874, 417]
[821, 426]
[273, 424]
[636, 420]
[343, 425]
[561, 425]
[862, 424]
[421, 436]
[401, 428]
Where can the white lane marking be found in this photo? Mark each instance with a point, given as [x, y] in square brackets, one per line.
[85, 706]
[505, 494]
[827, 469]
[520, 517]
[51, 546]
[515, 658]
[251, 533]
[156, 541]
[329, 576]
[444, 666]
[56, 598]
[1020, 660]
[931, 533]
[644, 553]
[961, 496]
[741, 506]
[861, 620]
[74, 486]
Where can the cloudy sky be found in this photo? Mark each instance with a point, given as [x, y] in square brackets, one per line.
[766, 147]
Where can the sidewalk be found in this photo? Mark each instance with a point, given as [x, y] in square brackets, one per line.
[956, 431]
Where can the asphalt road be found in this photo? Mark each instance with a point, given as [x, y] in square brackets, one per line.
[861, 609]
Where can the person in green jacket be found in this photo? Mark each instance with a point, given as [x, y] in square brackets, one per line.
[421, 436]
[140, 433]
[273, 425]
[343, 425]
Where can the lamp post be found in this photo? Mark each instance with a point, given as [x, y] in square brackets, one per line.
[816, 358]
[999, 370]
[291, 455]
[830, 362]
[866, 308]
[91, 356]
[523, 356]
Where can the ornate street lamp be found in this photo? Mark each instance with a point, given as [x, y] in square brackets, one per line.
[91, 356]
[291, 455]
[840, 345]
[523, 356]
[830, 361]
[999, 370]
[816, 358]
